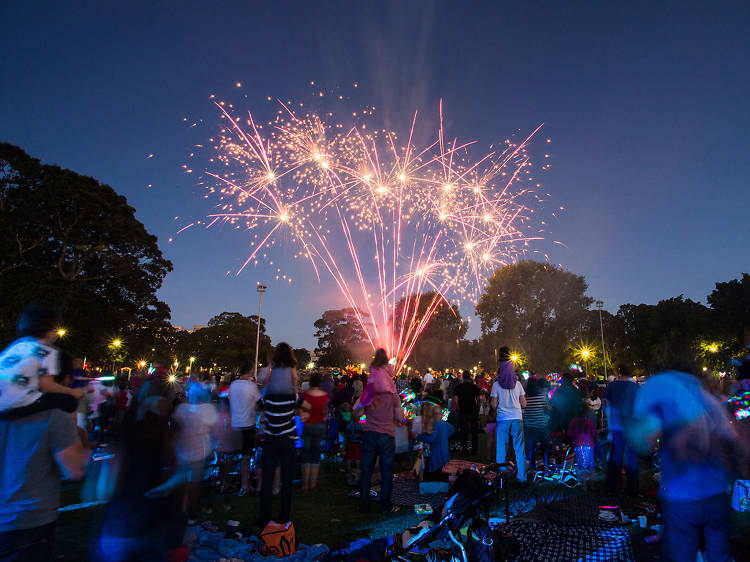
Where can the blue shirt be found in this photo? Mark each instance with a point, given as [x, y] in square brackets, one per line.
[438, 440]
[674, 403]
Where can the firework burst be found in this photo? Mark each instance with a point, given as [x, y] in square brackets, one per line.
[385, 219]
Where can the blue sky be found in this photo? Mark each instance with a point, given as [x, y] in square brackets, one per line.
[645, 104]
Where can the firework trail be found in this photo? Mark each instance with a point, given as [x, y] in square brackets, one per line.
[388, 221]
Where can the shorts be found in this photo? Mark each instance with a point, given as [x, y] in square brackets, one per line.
[353, 452]
[247, 439]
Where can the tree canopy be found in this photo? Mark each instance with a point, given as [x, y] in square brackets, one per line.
[341, 339]
[536, 308]
[73, 243]
[438, 346]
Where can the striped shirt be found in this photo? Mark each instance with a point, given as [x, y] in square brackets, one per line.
[536, 413]
[279, 410]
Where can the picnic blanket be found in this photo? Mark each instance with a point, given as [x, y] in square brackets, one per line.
[208, 546]
[560, 542]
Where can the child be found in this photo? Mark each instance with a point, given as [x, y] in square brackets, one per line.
[582, 434]
[28, 366]
[436, 432]
[352, 445]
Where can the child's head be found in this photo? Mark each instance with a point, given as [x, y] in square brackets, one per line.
[38, 322]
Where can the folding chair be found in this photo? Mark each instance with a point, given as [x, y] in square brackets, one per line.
[564, 473]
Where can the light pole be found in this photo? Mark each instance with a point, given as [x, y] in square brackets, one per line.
[600, 305]
[261, 289]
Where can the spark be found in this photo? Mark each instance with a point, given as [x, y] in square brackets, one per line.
[387, 220]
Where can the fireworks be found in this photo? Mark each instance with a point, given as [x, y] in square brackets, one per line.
[385, 219]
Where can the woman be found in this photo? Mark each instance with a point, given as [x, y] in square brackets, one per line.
[315, 405]
[536, 419]
[508, 399]
[382, 410]
[280, 434]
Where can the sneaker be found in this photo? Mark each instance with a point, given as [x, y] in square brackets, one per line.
[243, 492]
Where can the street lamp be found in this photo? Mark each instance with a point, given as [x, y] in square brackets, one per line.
[600, 305]
[116, 344]
[261, 289]
[61, 332]
[712, 349]
[190, 368]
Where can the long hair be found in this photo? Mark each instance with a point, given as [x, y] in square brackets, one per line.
[380, 359]
[283, 356]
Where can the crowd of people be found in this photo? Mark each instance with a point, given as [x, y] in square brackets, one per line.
[161, 436]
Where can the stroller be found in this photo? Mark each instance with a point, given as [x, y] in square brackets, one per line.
[470, 498]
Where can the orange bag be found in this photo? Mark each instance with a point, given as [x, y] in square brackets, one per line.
[279, 539]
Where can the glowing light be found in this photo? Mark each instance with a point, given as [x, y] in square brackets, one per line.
[172, 378]
[514, 358]
[141, 364]
[585, 353]
[362, 366]
[61, 332]
[368, 204]
[310, 365]
[116, 343]
[713, 349]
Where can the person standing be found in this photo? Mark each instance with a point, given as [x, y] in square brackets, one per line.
[436, 433]
[508, 398]
[694, 436]
[536, 420]
[315, 405]
[467, 394]
[35, 451]
[243, 396]
[619, 398]
[382, 408]
[279, 403]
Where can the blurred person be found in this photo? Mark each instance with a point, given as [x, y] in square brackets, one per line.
[143, 520]
[36, 451]
[565, 402]
[694, 434]
[536, 420]
[199, 388]
[618, 407]
[28, 367]
[467, 394]
[508, 399]
[582, 435]
[243, 397]
[193, 445]
[315, 406]
[382, 409]
[358, 387]
[436, 433]
[227, 440]
[280, 402]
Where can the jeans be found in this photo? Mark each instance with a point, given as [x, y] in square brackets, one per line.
[535, 436]
[620, 451]
[468, 422]
[37, 543]
[312, 435]
[513, 430]
[276, 451]
[377, 445]
[686, 522]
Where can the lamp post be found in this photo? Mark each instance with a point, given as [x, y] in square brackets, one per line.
[600, 305]
[116, 344]
[261, 289]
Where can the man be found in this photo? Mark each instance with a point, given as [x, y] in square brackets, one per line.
[34, 451]
[428, 379]
[467, 394]
[508, 398]
[693, 432]
[619, 398]
[243, 396]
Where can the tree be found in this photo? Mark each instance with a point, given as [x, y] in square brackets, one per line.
[341, 339]
[438, 345]
[302, 356]
[228, 341]
[730, 303]
[663, 335]
[73, 243]
[535, 307]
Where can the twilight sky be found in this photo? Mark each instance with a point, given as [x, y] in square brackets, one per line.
[645, 103]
